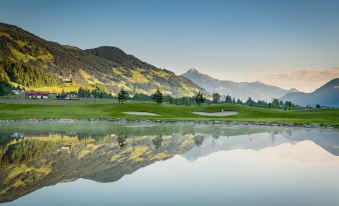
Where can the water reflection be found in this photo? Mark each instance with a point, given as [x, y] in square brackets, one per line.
[38, 155]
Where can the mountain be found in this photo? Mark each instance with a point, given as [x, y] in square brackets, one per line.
[327, 95]
[34, 157]
[238, 90]
[107, 67]
[104, 159]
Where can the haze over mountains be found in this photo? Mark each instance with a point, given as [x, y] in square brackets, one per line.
[327, 95]
[238, 90]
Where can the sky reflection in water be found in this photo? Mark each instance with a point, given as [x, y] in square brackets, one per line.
[169, 164]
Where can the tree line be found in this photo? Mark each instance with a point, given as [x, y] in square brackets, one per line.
[96, 93]
[199, 99]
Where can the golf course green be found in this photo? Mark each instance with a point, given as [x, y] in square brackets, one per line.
[168, 112]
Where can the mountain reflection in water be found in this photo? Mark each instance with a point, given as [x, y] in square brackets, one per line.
[38, 155]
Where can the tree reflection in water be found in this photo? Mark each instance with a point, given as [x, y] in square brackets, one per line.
[103, 153]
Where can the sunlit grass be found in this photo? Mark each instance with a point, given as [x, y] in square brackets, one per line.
[168, 112]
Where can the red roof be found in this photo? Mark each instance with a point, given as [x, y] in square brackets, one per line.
[36, 93]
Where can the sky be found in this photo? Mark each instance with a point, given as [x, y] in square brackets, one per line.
[230, 40]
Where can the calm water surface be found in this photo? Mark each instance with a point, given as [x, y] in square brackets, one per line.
[167, 164]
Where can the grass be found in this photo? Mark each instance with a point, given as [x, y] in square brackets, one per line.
[17, 170]
[167, 112]
[66, 87]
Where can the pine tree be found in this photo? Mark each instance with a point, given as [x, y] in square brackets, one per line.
[199, 98]
[216, 98]
[158, 97]
[122, 96]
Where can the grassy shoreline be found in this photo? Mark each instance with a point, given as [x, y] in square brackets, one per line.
[168, 112]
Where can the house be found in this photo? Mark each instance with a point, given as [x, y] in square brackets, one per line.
[53, 94]
[37, 94]
[66, 147]
[71, 96]
[67, 79]
[18, 91]
[17, 135]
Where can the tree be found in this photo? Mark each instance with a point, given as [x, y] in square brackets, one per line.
[187, 101]
[5, 88]
[228, 99]
[198, 140]
[122, 141]
[142, 97]
[122, 96]
[25, 74]
[318, 106]
[275, 103]
[269, 105]
[157, 142]
[83, 92]
[158, 97]
[199, 98]
[250, 102]
[288, 105]
[216, 98]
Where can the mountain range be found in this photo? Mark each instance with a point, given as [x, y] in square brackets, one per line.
[36, 158]
[29, 61]
[107, 67]
[327, 95]
[238, 90]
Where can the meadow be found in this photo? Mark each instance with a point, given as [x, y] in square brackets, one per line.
[169, 112]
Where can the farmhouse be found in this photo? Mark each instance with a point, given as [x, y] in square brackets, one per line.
[67, 79]
[71, 96]
[37, 94]
[17, 91]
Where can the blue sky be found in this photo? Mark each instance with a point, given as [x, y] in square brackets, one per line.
[236, 40]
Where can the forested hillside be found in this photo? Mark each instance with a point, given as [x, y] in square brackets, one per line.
[31, 61]
[25, 74]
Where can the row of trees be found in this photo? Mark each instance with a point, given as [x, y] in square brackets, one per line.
[159, 98]
[274, 104]
[5, 88]
[199, 99]
[96, 93]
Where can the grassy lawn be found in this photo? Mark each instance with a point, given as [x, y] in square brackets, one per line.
[167, 112]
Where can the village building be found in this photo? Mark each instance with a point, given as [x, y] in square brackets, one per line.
[66, 148]
[53, 94]
[17, 135]
[67, 79]
[37, 94]
[71, 96]
[18, 91]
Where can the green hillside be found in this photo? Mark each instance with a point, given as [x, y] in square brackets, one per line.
[109, 67]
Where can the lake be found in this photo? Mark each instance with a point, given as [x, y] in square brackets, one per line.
[103, 163]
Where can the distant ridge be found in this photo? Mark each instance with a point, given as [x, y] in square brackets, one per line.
[326, 95]
[239, 90]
